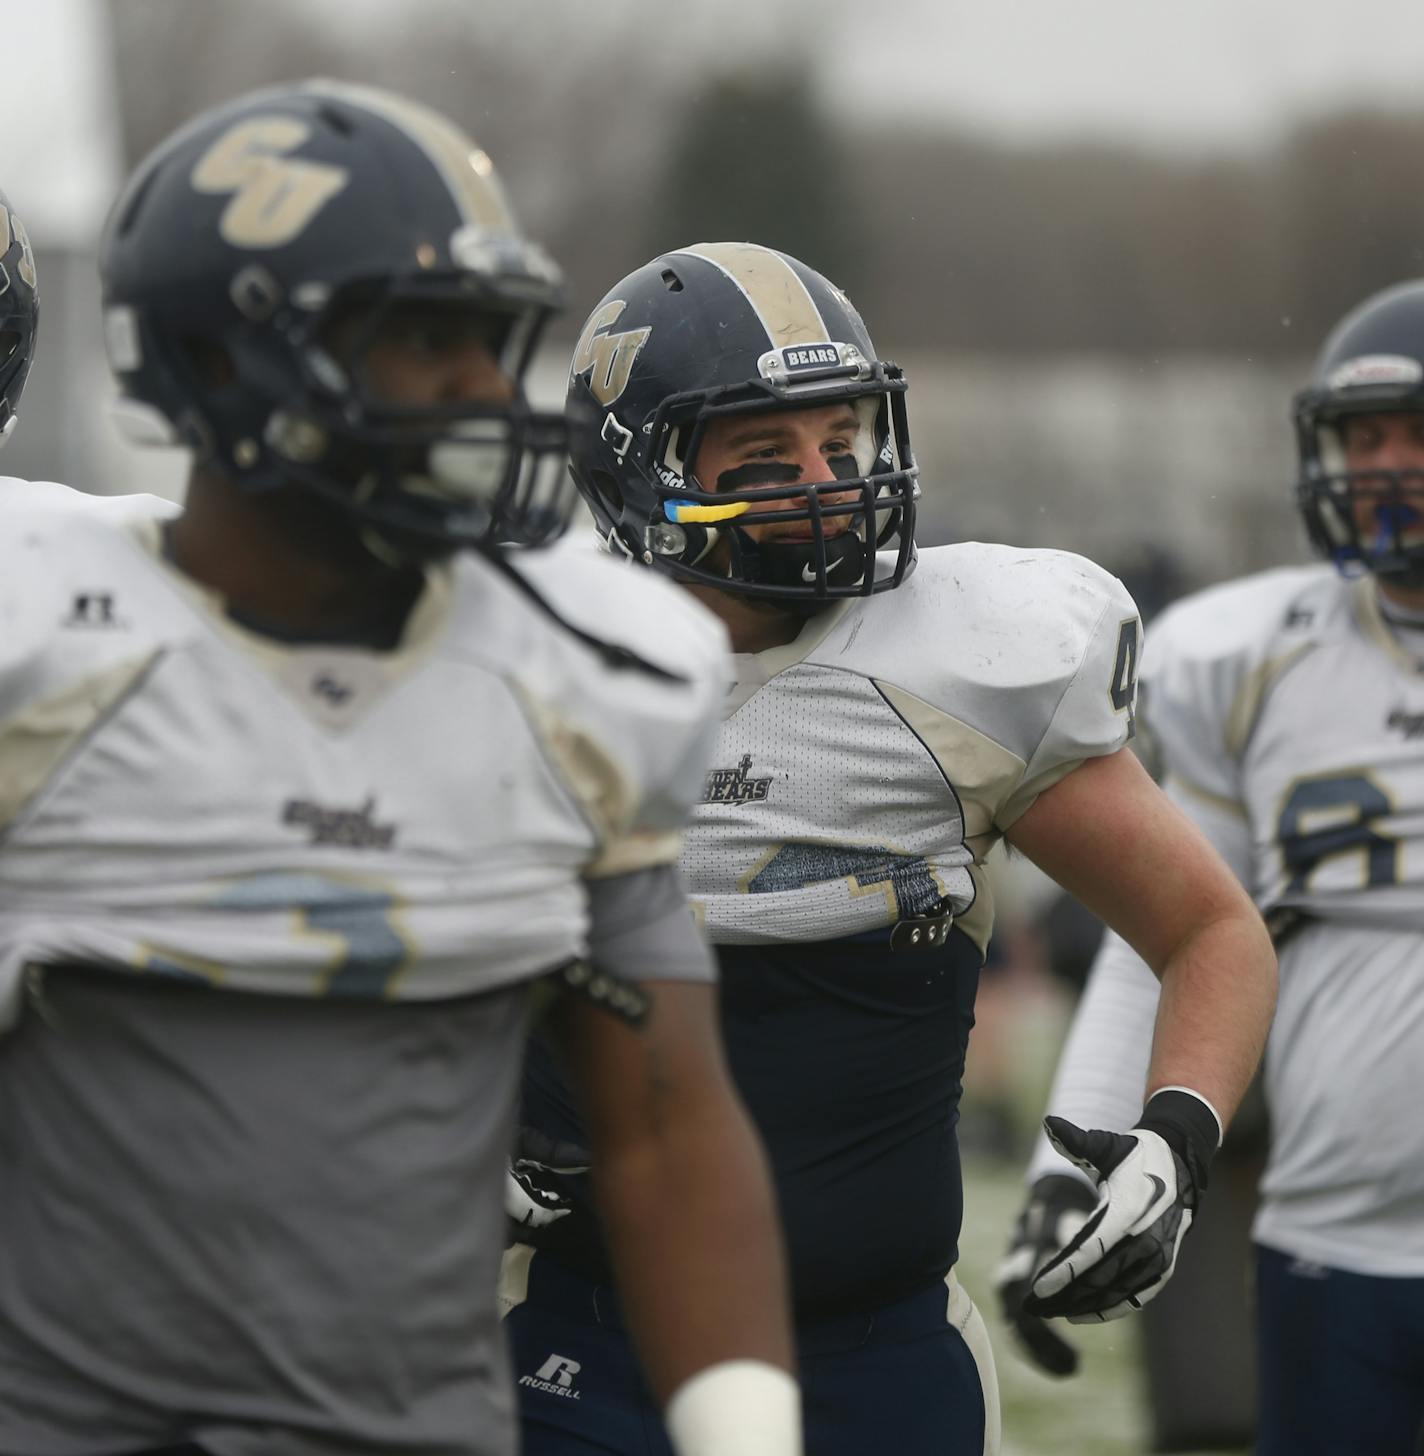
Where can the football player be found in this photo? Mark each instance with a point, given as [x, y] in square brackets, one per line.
[1289, 707]
[893, 715]
[298, 801]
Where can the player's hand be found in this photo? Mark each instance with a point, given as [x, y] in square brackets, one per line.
[1150, 1180]
[536, 1178]
[1058, 1206]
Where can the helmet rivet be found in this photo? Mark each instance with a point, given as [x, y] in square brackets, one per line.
[255, 293]
[426, 255]
[245, 452]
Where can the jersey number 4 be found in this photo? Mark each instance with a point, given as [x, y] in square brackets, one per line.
[1123, 688]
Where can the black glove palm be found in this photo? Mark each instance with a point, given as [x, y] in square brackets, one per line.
[1058, 1205]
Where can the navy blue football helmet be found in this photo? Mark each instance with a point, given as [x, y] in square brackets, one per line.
[722, 329]
[249, 268]
[1373, 362]
[19, 314]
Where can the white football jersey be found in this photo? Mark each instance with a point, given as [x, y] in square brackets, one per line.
[865, 769]
[179, 795]
[1290, 719]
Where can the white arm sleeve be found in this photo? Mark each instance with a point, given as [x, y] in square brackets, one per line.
[1102, 1073]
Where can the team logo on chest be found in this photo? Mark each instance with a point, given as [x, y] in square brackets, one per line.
[735, 786]
[1409, 724]
[348, 828]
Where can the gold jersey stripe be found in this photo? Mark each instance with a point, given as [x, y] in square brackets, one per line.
[466, 170]
[772, 287]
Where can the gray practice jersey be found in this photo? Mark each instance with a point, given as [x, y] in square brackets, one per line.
[251, 1166]
[1290, 717]
[865, 769]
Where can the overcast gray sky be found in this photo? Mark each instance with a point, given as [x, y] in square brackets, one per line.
[1196, 73]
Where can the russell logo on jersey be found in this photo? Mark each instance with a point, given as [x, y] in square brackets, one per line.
[555, 1377]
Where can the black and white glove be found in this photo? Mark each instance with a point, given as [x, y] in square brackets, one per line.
[536, 1178]
[1150, 1180]
[1058, 1206]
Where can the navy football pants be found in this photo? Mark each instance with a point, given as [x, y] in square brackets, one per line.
[915, 1378]
[1341, 1360]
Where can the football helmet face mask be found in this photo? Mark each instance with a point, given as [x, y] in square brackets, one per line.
[1365, 519]
[259, 262]
[19, 314]
[732, 329]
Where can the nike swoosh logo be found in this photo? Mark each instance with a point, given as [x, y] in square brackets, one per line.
[808, 572]
[1157, 1183]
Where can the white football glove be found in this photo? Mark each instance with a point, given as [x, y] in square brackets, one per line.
[1150, 1181]
[533, 1193]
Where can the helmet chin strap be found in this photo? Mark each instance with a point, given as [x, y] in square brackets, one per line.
[1391, 519]
[793, 563]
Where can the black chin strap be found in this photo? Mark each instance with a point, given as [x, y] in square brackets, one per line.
[613, 655]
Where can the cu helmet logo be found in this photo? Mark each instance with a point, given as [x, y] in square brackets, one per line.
[606, 358]
[12, 230]
[274, 195]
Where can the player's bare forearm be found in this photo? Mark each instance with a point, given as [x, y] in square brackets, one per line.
[683, 1189]
[1110, 837]
[1218, 996]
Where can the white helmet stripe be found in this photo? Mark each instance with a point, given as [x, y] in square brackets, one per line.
[774, 289]
[465, 169]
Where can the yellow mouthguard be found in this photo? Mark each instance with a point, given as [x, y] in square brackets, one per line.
[676, 511]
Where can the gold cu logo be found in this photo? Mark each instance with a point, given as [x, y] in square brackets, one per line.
[273, 196]
[13, 230]
[609, 356]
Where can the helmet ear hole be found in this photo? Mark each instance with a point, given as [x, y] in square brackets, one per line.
[609, 492]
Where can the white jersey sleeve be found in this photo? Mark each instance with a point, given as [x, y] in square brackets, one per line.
[1096, 712]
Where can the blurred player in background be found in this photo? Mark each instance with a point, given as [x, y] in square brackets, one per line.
[893, 715]
[19, 314]
[299, 798]
[1289, 708]
[19, 337]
